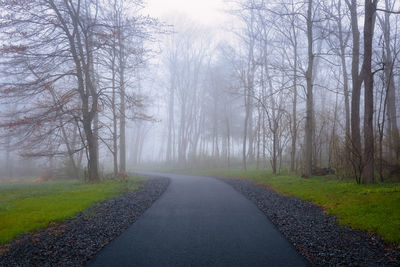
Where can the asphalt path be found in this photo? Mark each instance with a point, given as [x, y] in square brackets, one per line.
[200, 221]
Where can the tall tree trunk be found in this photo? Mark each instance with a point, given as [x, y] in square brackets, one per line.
[380, 124]
[91, 83]
[370, 12]
[92, 172]
[272, 119]
[309, 96]
[356, 154]
[251, 67]
[138, 141]
[122, 142]
[294, 111]
[182, 133]
[170, 121]
[274, 150]
[115, 112]
[333, 139]
[89, 113]
[345, 82]
[246, 120]
[250, 132]
[264, 130]
[96, 136]
[122, 124]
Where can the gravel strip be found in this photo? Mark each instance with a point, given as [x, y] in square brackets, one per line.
[316, 235]
[75, 241]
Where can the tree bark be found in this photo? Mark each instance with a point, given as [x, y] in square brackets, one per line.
[345, 82]
[244, 149]
[356, 155]
[294, 111]
[309, 95]
[122, 124]
[114, 111]
[170, 121]
[370, 12]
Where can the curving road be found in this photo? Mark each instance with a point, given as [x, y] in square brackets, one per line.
[200, 221]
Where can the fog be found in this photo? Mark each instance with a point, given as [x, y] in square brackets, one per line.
[115, 86]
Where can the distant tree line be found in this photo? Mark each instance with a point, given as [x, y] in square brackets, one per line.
[303, 86]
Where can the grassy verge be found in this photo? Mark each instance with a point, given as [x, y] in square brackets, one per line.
[26, 206]
[374, 208]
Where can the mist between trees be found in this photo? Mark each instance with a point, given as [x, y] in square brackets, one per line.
[96, 87]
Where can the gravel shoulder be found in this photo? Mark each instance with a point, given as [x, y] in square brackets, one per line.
[316, 235]
[75, 241]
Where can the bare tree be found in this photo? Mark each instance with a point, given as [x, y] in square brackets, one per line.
[53, 62]
[357, 78]
[66, 42]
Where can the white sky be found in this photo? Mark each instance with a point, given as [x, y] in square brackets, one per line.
[206, 12]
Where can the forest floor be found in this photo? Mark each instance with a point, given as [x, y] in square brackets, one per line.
[372, 208]
[29, 206]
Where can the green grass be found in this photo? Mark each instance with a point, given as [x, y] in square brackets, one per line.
[374, 208]
[25, 207]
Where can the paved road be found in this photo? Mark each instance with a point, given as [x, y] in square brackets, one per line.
[200, 221]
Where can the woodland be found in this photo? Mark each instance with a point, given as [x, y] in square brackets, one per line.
[97, 86]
